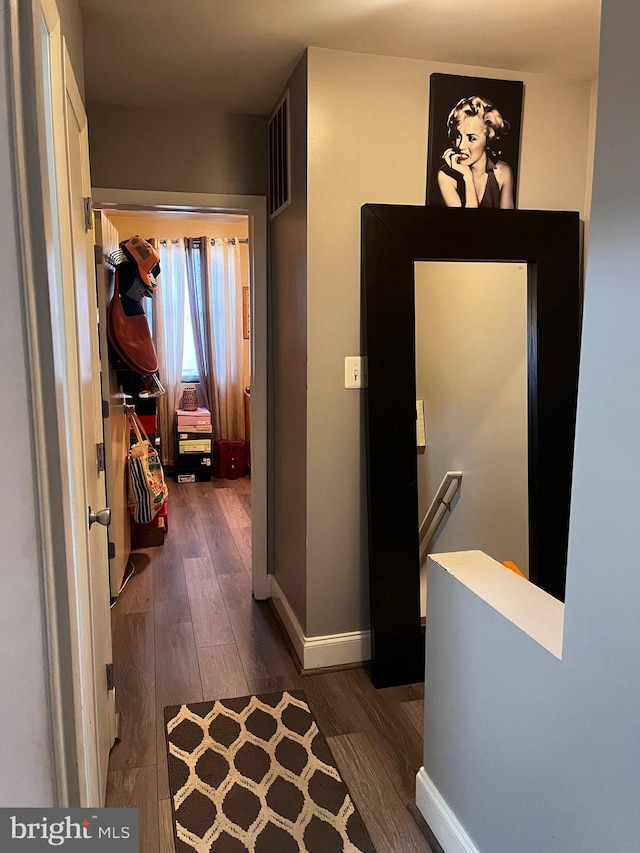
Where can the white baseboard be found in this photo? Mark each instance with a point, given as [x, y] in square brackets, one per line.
[322, 651]
[446, 827]
[337, 649]
[287, 617]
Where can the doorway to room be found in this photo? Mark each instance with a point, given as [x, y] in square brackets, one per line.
[200, 324]
[232, 230]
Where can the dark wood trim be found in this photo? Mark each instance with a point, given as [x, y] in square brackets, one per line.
[393, 239]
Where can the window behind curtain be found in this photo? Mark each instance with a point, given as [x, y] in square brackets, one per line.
[189, 363]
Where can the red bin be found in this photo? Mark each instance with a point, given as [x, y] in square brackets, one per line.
[229, 459]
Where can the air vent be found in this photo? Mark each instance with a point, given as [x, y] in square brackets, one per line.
[279, 158]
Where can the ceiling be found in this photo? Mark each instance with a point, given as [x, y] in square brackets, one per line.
[237, 55]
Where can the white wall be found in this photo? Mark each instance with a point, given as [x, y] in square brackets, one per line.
[367, 144]
[173, 227]
[26, 777]
[532, 753]
[471, 372]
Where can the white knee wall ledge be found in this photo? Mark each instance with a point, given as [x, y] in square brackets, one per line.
[491, 635]
[321, 651]
[529, 608]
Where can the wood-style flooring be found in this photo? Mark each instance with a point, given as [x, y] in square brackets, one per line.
[186, 629]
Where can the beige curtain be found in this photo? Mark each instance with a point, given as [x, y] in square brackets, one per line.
[168, 333]
[215, 296]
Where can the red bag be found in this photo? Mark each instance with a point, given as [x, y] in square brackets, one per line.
[130, 336]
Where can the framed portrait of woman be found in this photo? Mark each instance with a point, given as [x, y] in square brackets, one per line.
[474, 141]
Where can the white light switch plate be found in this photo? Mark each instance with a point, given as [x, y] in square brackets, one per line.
[353, 371]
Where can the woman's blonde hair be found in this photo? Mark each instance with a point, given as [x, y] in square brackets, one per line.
[496, 126]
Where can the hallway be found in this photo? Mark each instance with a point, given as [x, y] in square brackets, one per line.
[186, 629]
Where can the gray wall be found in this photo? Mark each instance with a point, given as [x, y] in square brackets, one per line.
[288, 245]
[26, 777]
[531, 753]
[71, 23]
[367, 143]
[178, 149]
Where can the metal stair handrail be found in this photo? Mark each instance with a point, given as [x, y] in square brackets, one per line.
[441, 503]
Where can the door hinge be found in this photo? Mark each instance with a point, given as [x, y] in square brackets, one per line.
[88, 213]
[98, 255]
[112, 550]
[110, 676]
[105, 409]
[100, 456]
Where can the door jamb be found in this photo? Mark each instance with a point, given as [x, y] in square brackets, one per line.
[255, 207]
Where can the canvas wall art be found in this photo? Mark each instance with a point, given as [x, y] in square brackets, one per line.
[474, 141]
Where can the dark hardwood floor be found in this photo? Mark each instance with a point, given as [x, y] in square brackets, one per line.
[186, 628]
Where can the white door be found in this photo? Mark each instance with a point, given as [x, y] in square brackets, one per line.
[116, 427]
[89, 370]
[79, 627]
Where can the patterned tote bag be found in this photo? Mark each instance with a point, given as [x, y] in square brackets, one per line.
[147, 487]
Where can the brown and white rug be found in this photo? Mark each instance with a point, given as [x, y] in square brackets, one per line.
[255, 773]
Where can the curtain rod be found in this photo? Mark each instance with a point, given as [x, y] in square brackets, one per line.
[239, 239]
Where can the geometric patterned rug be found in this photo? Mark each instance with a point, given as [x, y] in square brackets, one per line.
[255, 773]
